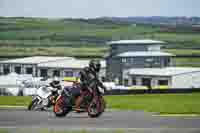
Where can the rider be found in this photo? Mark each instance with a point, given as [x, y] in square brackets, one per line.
[55, 87]
[87, 76]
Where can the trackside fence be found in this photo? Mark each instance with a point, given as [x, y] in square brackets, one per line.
[153, 91]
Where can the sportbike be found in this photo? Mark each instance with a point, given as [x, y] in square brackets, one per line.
[93, 102]
[43, 99]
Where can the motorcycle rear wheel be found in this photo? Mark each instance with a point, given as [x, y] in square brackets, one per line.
[59, 109]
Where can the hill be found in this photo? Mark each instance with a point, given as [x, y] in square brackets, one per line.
[83, 37]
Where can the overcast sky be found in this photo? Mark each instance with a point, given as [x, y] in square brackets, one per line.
[99, 8]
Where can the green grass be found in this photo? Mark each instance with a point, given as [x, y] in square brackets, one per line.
[183, 51]
[4, 131]
[67, 37]
[53, 51]
[33, 29]
[14, 100]
[188, 39]
[188, 62]
[161, 103]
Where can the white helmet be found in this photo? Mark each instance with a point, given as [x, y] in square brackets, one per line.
[55, 82]
[56, 79]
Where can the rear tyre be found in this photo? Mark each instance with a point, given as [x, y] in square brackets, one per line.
[60, 109]
[33, 104]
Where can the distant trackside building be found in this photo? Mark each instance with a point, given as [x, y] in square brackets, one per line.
[142, 63]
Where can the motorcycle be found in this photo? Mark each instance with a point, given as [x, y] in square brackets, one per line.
[43, 99]
[93, 102]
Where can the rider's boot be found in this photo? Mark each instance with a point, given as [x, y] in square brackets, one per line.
[78, 103]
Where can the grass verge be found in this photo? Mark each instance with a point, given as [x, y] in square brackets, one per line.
[14, 100]
[161, 103]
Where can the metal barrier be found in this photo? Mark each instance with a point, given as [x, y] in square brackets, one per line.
[153, 91]
[131, 92]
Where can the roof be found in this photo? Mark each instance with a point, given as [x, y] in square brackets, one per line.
[75, 64]
[145, 41]
[35, 59]
[167, 71]
[144, 53]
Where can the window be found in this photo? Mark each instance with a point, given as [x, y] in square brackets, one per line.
[163, 82]
[43, 72]
[126, 82]
[69, 74]
[146, 82]
[133, 81]
[6, 70]
[124, 60]
[132, 60]
[166, 61]
[18, 69]
[29, 70]
[56, 73]
[149, 60]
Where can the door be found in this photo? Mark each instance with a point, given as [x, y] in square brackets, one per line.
[146, 82]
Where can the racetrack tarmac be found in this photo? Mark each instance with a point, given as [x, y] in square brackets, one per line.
[10, 118]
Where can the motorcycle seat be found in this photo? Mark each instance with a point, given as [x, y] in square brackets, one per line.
[75, 91]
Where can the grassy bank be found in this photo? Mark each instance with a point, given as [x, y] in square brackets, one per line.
[162, 103]
[67, 37]
[52, 51]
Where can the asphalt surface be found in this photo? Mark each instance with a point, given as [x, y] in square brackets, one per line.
[10, 118]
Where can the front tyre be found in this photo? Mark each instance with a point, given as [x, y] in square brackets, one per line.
[96, 108]
[33, 104]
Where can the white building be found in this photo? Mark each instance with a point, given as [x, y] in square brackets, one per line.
[44, 66]
[173, 77]
[66, 68]
[28, 65]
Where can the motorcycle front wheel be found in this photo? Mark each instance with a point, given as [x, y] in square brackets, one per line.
[96, 107]
[33, 104]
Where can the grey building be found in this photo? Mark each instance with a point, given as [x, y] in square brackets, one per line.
[126, 54]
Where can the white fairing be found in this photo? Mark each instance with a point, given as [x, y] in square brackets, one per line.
[109, 85]
[101, 90]
[43, 92]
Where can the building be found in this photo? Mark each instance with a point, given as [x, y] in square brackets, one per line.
[170, 77]
[28, 65]
[66, 68]
[41, 66]
[127, 54]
